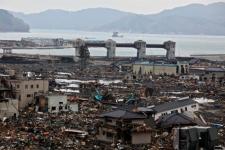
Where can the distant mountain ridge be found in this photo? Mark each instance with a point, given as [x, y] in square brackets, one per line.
[9, 23]
[86, 19]
[190, 19]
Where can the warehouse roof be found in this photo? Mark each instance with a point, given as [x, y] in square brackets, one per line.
[174, 105]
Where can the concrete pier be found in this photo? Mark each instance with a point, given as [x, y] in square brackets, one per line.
[7, 51]
[170, 47]
[141, 49]
[111, 48]
[78, 44]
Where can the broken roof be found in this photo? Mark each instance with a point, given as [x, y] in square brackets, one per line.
[173, 105]
[185, 118]
[122, 114]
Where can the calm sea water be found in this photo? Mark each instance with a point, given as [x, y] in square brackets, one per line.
[185, 44]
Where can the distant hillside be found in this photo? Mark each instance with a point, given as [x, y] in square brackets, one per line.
[9, 23]
[190, 19]
[86, 19]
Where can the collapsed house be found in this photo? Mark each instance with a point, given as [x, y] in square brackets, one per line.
[180, 120]
[129, 127]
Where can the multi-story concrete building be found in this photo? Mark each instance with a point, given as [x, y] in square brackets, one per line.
[27, 88]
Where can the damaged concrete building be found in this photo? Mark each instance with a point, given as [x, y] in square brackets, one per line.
[26, 89]
[52, 103]
[9, 108]
[8, 101]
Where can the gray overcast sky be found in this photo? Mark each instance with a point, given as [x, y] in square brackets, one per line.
[137, 6]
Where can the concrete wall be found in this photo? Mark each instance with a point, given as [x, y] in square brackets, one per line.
[74, 107]
[165, 69]
[154, 69]
[141, 138]
[180, 109]
[102, 135]
[26, 89]
[9, 108]
[57, 102]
